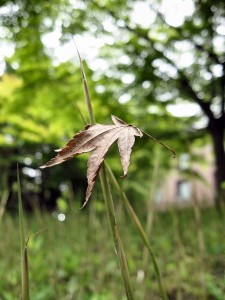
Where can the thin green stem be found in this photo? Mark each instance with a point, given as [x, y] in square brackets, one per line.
[141, 231]
[5, 195]
[23, 246]
[22, 234]
[82, 116]
[160, 143]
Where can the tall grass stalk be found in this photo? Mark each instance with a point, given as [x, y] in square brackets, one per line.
[150, 210]
[198, 221]
[150, 206]
[4, 197]
[115, 232]
[201, 243]
[23, 246]
[140, 230]
[201, 253]
[179, 253]
[3, 203]
[109, 202]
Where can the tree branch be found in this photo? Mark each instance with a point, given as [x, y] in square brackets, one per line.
[182, 80]
[211, 55]
[205, 106]
[197, 46]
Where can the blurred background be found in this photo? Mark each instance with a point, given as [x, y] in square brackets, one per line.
[158, 65]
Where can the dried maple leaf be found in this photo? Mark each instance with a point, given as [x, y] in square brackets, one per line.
[97, 139]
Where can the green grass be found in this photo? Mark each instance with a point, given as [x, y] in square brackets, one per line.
[75, 259]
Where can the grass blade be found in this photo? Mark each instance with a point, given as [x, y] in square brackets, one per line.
[3, 203]
[116, 236]
[141, 231]
[109, 201]
[23, 246]
[86, 91]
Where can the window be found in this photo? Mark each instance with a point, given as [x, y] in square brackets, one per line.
[184, 161]
[183, 190]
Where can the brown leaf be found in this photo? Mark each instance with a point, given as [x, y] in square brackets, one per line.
[97, 139]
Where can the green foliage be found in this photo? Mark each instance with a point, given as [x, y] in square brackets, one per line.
[66, 259]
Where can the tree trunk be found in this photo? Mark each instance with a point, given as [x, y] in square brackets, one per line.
[217, 128]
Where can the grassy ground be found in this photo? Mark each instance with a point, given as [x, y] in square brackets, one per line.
[74, 259]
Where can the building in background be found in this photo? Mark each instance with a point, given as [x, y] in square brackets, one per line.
[189, 181]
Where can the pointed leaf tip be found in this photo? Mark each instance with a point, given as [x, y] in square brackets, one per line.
[118, 121]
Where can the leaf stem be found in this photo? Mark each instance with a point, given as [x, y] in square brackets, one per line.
[158, 142]
[140, 229]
